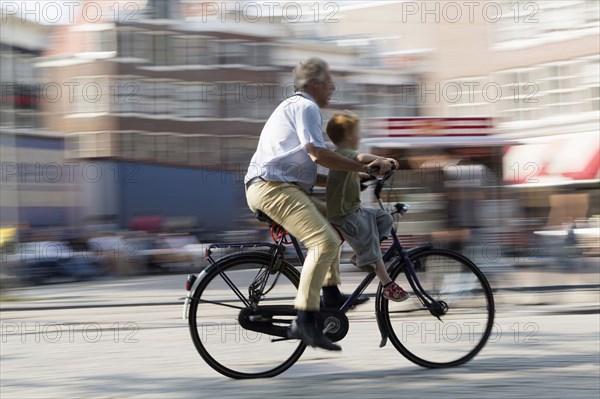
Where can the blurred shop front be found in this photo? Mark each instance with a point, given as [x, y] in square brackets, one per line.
[450, 173]
[556, 180]
[470, 187]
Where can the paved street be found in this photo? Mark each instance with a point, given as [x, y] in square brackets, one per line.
[125, 338]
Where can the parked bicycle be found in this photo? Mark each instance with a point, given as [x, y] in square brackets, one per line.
[240, 307]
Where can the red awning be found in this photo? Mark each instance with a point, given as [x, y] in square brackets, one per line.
[574, 156]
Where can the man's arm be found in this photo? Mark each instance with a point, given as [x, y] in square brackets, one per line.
[367, 158]
[329, 159]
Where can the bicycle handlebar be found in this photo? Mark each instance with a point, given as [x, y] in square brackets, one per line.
[372, 170]
[380, 180]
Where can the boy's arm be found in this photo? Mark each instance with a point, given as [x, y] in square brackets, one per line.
[368, 158]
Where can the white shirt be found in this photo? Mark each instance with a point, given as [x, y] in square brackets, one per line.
[281, 154]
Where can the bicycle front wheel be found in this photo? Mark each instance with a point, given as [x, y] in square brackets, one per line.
[458, 335]
[214, 314]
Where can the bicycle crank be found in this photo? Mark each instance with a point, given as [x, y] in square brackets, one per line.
[333, 323]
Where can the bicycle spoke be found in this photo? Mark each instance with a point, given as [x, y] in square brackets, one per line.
[220, 304]
[408, 311]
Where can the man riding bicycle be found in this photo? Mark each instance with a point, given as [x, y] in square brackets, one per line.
[279, 183]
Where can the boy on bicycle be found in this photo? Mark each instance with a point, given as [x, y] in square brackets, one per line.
[362, 228]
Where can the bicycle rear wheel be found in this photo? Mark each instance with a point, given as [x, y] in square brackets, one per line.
[214, 314]
[465, 328]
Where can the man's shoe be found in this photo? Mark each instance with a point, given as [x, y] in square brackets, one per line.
[341, 300]
[310, 335]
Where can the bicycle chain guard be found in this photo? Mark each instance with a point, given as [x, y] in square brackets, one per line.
[267, 320]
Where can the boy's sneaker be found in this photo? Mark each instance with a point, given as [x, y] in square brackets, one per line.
[393, 292]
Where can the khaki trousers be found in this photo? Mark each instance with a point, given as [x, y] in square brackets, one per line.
[304, 218]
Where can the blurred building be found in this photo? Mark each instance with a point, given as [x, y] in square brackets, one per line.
[33, 187]
[532, 67]
[161, 108]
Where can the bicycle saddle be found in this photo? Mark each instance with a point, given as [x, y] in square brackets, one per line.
[263, 217]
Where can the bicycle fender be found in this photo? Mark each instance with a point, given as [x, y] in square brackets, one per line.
[421, 248]
[188, 297]
[379, 317]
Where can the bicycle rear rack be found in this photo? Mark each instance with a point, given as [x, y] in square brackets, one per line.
[209, 251]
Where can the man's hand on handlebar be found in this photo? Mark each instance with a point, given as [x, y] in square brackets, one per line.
[381, 166]
[395, 163]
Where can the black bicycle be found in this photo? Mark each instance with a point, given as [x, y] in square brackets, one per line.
[240, 307]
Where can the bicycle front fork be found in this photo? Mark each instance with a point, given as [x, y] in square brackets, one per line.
[436, 308]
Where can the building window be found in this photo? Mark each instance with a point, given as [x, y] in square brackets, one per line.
[203, 149]
[232, 101]
[125, 95]
[91, 95]
[163, 98]
[177, 148]
[161, 49]
[192, 100]
[161, 147]
[106, 40]
[144, 146]
[160, 9]
[256, 54]
[523, 21]
[126, 144]
[232, 52]
[127, 42]
[591, 83]
[468, 96]
[20, 90]
[143, 45]
[99, 40]
[89, 145]
[238, 149]
[387, 101]
[147, 96]
[192, 50]
[258, 100]
[547, 90]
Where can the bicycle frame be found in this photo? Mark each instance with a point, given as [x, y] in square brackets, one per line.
[396, 251]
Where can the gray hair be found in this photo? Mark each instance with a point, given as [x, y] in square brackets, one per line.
[311, 69]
